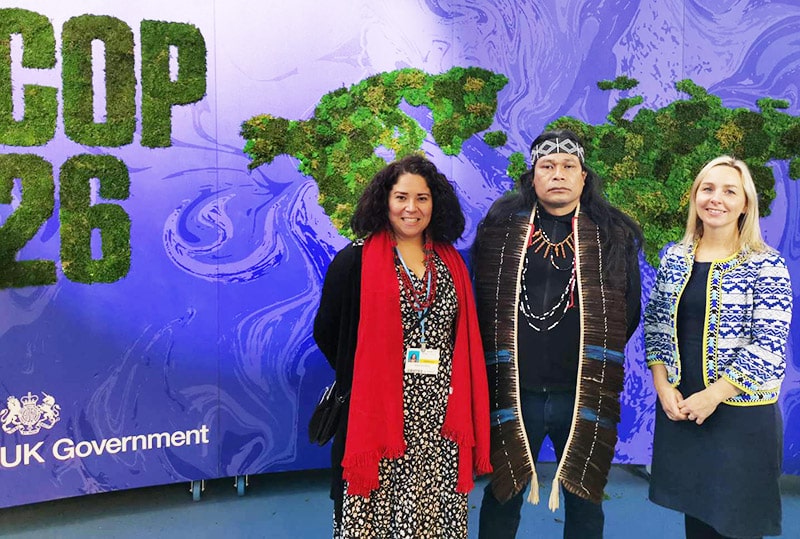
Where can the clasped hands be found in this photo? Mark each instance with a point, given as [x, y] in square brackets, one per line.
[696, 407]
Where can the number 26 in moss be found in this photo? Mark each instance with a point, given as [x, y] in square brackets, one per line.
[78, 217]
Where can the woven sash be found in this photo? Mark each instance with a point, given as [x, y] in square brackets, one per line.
[498, 267]
[584, 467]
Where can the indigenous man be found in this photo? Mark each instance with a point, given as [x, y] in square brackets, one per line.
[558, 287]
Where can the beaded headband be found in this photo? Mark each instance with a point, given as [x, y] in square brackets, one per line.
[556, 145]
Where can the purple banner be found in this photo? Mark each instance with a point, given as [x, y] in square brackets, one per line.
[196, 359]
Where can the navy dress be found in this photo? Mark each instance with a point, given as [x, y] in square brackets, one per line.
[724, 472]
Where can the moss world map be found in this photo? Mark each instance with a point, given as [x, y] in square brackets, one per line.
[647, 162]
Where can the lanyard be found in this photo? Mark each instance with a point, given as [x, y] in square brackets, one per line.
[421, 313]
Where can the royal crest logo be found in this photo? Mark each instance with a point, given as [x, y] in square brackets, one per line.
[28, 416]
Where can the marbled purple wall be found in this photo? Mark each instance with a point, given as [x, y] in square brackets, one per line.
[212, 324]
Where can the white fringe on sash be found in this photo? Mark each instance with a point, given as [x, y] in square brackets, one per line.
[533, 493]
[553, 503]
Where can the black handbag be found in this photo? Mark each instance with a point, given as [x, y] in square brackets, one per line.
[325, 419]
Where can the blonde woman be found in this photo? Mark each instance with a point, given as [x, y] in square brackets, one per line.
[715, 329]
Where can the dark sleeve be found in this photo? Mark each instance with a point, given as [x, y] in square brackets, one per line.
[633, 296]
[335, 300]
[336, 334]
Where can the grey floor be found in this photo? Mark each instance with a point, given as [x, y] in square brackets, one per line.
[296, 505]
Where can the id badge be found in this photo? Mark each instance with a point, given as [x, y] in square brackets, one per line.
[422, 361]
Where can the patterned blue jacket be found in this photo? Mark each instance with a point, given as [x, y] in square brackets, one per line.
[748, 311]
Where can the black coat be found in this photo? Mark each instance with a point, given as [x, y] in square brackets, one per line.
[336, 334]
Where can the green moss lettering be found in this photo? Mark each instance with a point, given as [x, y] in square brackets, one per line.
[38, 124]
[159, 93]
[120, 81]
[35, 207]
[79, 217]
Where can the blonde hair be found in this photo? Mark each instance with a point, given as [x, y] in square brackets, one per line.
[749, 228]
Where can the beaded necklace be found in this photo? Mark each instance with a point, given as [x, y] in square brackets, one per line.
[539, 240]
[562, 304]
[420, 300]
[555, 314]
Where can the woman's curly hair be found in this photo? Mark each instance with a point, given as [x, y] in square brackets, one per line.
[372, 211]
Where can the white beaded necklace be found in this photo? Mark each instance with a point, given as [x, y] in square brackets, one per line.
[563, 303]
[538, 240]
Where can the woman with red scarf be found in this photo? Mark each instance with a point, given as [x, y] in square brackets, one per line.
[397, 322]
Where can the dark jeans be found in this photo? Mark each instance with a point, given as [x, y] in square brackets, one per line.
[544, 414]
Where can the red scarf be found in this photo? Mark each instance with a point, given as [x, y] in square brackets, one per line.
[375, 427]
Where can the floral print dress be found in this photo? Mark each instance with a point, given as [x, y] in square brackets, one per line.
[417, 496]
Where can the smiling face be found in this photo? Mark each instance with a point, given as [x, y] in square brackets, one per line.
[558, 180]
[410, 207]
[720, 199]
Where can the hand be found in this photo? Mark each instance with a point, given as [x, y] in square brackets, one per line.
[669, 397]
[701, 405]
[671, 401]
